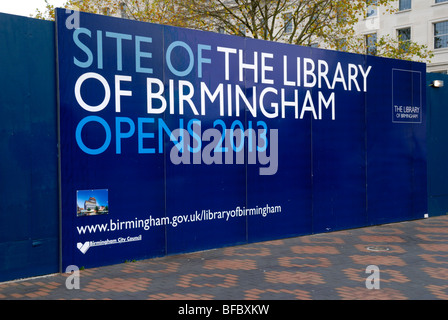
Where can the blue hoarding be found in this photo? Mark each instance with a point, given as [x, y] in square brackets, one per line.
[176, 140]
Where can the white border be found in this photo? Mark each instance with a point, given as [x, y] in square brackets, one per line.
[421, 97]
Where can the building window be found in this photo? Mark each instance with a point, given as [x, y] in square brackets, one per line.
[372, 8]
[441, 35]
[288, 22]
[371, 44]
[441, 1]
[404, 37]
[405, 5]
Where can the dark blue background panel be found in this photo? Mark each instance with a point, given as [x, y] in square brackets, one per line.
[220, 187]
[288, 192]
[29, 220]
[113, 148]
[396, 146]
[437, 142]
[330, 141]
[150, 117]
[338, 151]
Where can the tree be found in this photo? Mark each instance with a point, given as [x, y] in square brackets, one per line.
[155, 11]
[389, 47]
[48, 14]
[331, 23]
[296, 22]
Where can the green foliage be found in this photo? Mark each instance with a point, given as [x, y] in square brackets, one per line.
[331, 23]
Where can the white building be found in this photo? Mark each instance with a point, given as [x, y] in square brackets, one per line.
[90, 204]
[422, 21]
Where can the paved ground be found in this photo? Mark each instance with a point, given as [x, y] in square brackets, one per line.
[412, 258]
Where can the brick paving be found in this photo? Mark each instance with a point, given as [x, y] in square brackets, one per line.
[412, 258]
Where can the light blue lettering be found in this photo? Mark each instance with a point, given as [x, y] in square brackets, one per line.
[170, 64]
[83, 47]
[232, 129]
[218, 147]
[195, 136]
[202, 60]
[119, 37]
[99, 43]
[139, 54]
[263, 136]
[164, 127]
[142, 135]
[81, 144]
[119, 135]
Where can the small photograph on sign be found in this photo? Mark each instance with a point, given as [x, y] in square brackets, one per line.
[406, 96]
[92, 202]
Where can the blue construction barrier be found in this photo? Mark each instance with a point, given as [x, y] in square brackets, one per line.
[29, 213]
[148, 116]
[437, 141]
[174, 140]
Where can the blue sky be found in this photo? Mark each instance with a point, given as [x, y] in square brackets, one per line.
[101, 196]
